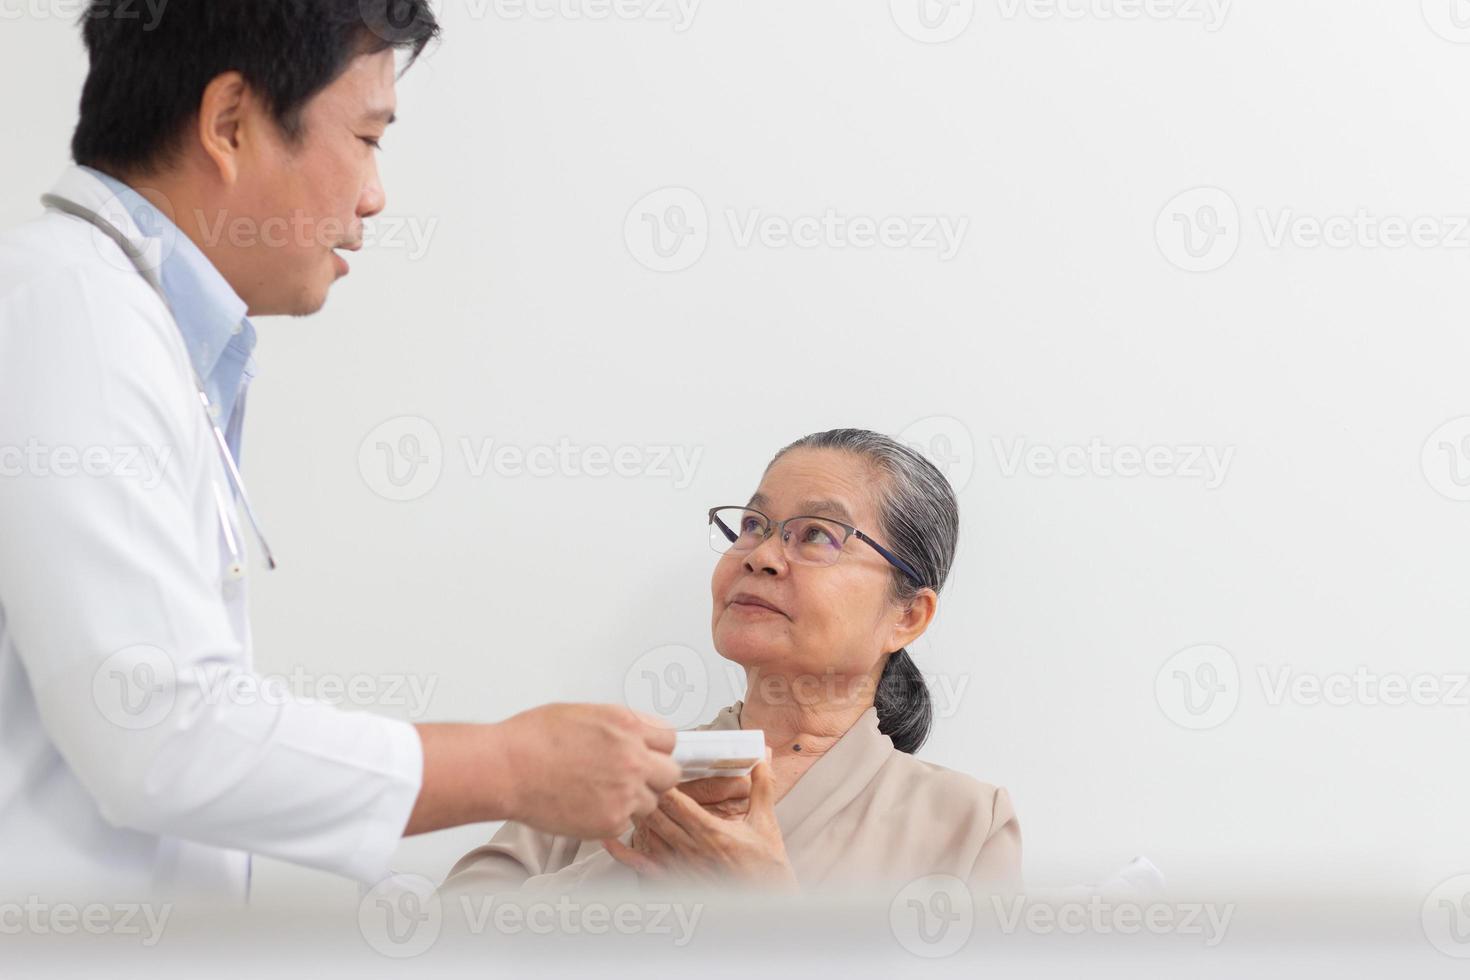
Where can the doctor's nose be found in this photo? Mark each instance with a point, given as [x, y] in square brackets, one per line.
[374, 199]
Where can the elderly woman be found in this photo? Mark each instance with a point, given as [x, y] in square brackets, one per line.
[828, 573]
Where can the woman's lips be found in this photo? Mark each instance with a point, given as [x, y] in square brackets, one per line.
[754, 604]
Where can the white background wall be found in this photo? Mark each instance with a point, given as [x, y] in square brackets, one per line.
[527, 318]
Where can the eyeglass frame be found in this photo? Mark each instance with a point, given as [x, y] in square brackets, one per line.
[774, 526]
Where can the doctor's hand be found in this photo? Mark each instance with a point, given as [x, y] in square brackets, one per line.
[587, 770]
[683, 840]
[578, 770]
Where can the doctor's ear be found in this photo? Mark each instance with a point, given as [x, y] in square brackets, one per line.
[222, 116]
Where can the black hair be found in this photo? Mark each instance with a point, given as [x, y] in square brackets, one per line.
[149, 70]
[920, 519]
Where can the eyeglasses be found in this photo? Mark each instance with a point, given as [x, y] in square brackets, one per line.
[804, 540]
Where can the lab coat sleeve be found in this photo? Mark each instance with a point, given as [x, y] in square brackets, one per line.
[105, 574]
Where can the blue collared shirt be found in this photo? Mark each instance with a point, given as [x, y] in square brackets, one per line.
[219, 337]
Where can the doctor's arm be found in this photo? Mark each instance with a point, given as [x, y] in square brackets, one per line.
[138, 673]
[584, 771]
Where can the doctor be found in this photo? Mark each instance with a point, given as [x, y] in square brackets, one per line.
[226, 159]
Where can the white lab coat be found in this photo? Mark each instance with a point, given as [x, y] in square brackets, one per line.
[109, 571]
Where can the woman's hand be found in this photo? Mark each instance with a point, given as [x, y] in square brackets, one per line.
[682, 839]
[723, 796]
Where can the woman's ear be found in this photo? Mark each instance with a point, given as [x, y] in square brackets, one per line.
[913, 620]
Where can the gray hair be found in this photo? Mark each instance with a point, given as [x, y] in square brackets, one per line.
[920, 520]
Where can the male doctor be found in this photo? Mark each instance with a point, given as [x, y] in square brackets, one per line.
[226, 158]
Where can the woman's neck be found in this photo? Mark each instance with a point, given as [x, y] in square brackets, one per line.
[803, 718]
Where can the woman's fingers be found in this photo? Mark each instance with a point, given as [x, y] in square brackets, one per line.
[729, 809]
[647, 841]
[762, 789]
[689, 815]
[625, 855]
[672, 831]
[717, 789]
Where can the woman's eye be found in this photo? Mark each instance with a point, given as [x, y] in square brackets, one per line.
[819, 535]
[375, 144]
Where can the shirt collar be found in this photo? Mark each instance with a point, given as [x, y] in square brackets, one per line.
[210, 314]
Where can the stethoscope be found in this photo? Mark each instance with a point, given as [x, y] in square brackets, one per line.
[236, 569]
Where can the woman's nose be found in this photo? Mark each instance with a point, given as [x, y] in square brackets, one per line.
[768, 556]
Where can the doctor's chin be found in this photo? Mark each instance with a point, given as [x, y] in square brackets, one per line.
[775, 488]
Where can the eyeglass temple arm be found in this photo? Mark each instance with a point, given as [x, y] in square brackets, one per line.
[724, 528]
[898, 562]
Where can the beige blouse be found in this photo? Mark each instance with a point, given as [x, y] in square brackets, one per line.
[863, 813]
